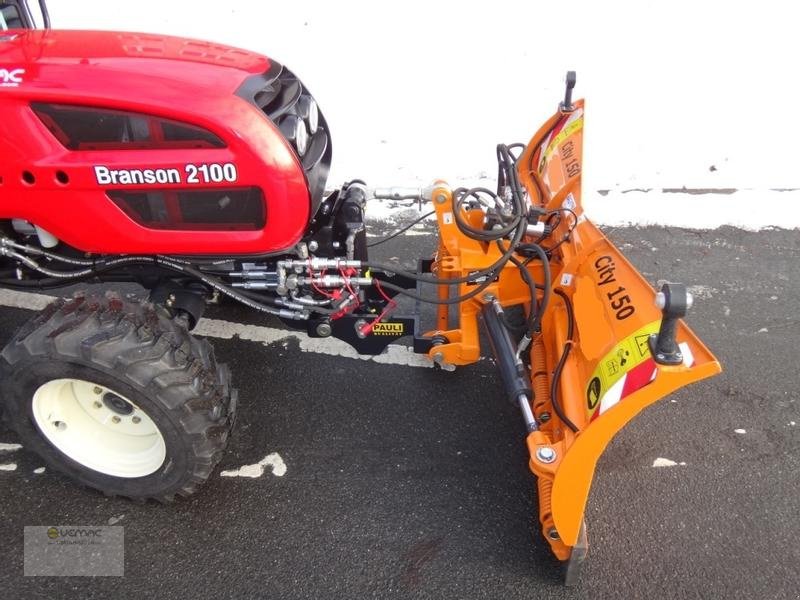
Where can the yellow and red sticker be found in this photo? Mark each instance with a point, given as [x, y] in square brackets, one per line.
[626, 368]
[560, 153]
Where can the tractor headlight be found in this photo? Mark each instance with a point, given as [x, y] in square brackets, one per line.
[294, 129]
[301, 138]
[307, 109]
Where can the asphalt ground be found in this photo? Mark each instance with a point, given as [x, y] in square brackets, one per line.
[406, 482]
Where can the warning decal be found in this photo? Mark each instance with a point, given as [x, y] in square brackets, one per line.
[608, 382]
[559, 155]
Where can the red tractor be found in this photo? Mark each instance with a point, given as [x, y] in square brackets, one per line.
[199, 171]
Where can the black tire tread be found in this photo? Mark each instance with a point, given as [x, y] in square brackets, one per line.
[150, 351]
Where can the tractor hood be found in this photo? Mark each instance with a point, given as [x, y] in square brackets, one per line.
[93, 63]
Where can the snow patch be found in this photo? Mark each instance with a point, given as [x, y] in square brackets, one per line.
[619, 207]
[394, 354]
[8, 467]
[39, 470]
[273, 460]
[9, 447]
[740, 431]
[665, 462]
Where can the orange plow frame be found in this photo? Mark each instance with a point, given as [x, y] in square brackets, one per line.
[608, 375]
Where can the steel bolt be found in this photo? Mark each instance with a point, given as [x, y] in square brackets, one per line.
[544, 417]
[313, 246]
[98, 404]
[553, 534]
[115, 419]
[324, 329]
[359, 325]
[438, 357]
[441, 199]
[98, 390]
[546, 454]
[136, 420]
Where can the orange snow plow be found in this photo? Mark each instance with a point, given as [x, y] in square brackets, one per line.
[603, 344]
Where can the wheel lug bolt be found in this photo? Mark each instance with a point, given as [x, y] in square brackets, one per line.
[115, 419]
[98, 404]
[136, 420]
[98, 390]
[60, 425]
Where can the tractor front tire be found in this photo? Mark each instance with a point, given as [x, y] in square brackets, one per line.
[113, 393]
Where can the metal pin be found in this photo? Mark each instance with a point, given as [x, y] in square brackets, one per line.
[546, 454]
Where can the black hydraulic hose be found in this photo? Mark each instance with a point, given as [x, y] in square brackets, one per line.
[518, 227]
[45, 14]
[400, 231]
[534, 310]
[472, 277]
[542, 255]
[457, 300]
[480, 234]
[554, 384]
[66, 277]
[221, 287]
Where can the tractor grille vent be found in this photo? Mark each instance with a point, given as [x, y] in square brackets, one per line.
[286, 101]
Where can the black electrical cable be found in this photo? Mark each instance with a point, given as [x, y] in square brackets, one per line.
[534, 309]
[542, 256]
[45, 14]
[554, 384]
[471, 278]
[535, 315]
[274, 302]
[164, 262]
[518, 226]
[228, 291]
[428, 300]
[567, 235]
[507, 171]
[514, 146]
[482, 234]
[400, 231]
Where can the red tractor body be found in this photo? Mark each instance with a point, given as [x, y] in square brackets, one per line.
[141, 144]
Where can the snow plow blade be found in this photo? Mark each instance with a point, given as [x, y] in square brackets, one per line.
[608, 377]
[606, 346]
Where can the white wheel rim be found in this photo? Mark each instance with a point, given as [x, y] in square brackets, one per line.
[98, 428]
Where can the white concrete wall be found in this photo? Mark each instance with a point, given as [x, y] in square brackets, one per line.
[679, 94]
